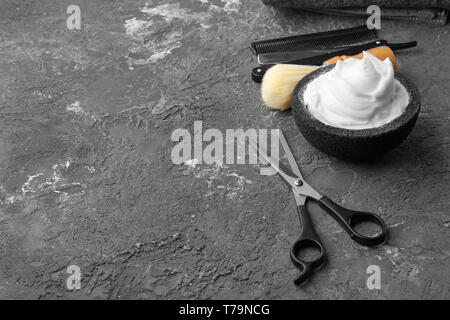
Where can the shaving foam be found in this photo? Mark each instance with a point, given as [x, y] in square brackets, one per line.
[357, 94]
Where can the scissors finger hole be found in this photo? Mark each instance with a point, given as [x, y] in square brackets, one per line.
[307, 250]
[369, 228]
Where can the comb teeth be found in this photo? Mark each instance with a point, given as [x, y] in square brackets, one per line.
[322, 40]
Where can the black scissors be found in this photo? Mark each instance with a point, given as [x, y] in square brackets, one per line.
[309, 239]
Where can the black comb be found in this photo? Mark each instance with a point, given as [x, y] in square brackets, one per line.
[322, 40]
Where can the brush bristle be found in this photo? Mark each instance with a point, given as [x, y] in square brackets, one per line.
[279, 83]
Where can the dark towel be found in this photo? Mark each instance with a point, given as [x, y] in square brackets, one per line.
[437, 4]
[429, 11]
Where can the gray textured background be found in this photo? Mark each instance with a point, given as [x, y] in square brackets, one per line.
[86, 176]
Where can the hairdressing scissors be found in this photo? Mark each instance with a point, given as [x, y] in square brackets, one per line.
[348, 219]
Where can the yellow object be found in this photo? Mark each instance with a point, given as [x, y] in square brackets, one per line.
[381, 53]
[280, 80]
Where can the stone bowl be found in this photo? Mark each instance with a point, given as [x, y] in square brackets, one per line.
[363, 144]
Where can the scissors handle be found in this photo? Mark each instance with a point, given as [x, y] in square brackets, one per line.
[308, 239]
[349, 219]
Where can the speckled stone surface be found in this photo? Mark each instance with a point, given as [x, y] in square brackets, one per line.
[86, 176]
[366, 144]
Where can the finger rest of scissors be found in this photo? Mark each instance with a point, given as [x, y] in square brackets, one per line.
[308, 240]
[350, 219]
[307, 267]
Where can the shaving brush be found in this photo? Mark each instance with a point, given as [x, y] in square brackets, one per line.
[279, 83]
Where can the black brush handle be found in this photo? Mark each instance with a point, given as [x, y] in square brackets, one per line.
[259, 72]
[401, 46]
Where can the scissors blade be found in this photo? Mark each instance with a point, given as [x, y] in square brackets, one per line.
[294, 166]
[303, 188]
[300, 199]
